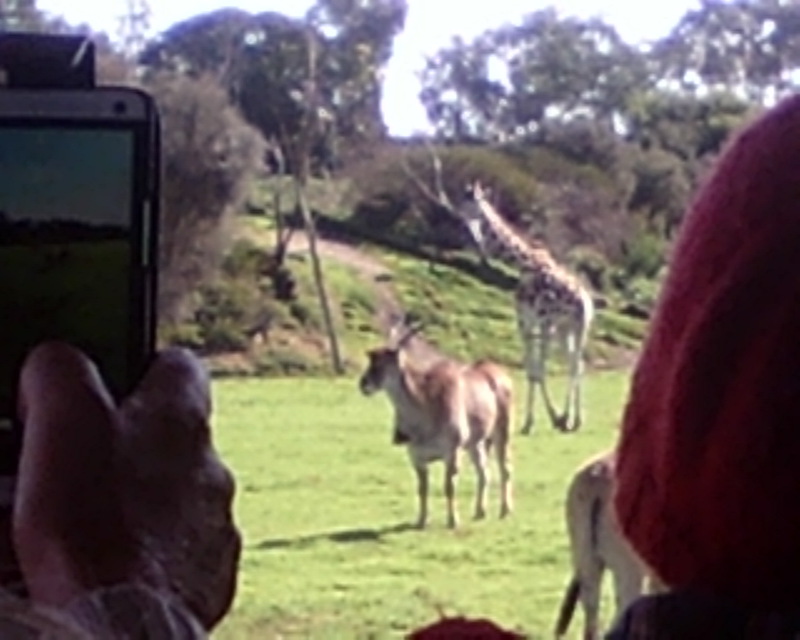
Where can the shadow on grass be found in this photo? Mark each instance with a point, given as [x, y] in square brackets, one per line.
[346, 536]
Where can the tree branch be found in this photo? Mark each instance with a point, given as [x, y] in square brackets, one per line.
[437, 195]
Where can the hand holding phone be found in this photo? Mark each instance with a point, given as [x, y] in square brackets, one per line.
[129, 490]
[78, 204]
[149, 500]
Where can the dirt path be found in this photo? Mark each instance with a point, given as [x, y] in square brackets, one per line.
[341, 252]
[375, 275]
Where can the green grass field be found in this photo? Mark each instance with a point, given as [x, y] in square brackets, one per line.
[324, 503]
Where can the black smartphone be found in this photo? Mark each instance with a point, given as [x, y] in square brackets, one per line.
[79, 197]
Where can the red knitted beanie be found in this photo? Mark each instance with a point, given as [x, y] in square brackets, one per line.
[709, 460]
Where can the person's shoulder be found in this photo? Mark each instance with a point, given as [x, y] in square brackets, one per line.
[680, 616]
[696, 616]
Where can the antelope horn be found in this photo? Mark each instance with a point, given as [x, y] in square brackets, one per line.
[397, 325]
[411, 331]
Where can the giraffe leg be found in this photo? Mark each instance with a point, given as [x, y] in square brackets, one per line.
[567, 338]
[532, 368]
[575, 342]
[556, 420]
[544, 347]
[527, 426]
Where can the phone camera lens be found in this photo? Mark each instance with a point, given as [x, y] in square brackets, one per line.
[120, 108]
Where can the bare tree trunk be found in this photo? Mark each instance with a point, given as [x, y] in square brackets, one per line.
[283, 232]
[319, 279]
[301, 170]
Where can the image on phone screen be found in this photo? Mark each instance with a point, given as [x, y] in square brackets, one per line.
[65, 246]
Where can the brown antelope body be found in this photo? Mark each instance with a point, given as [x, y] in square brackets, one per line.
[597, 544]
[443, 410]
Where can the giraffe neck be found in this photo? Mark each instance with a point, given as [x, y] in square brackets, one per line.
[503, 241]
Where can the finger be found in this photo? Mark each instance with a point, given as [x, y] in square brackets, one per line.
[67, 416]
[56, 371]
[66, 499]
[172, 402]
[177, 378]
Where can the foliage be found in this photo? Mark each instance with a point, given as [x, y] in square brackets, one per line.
[513, 80]
[242, 328]
[211, 157]
[684, 125]
[649, 117]
[360, 37]
[228, 310]
[751, 46]
[617, 329]
[644, 255]
[545, 193]
[262, 60]
[593, 266]
[582, 203]
[662, 188]
[387, 198]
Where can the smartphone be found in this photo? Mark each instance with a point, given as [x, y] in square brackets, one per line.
[79, 194]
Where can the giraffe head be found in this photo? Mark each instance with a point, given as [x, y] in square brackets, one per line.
[470, 211]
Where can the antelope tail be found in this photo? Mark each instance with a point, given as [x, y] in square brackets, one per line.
[568, 607]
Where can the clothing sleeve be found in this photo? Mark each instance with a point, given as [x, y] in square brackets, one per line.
[687, 615]
[133, 611]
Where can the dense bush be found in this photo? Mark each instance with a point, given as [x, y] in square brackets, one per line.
[544, 193]
[210, 157]
[230, 308]
[387, 198]
[643, 255]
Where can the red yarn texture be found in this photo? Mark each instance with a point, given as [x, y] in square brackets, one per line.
[709, 458]
[463, 629]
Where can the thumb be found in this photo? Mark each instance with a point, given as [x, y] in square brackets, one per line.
[67, 499]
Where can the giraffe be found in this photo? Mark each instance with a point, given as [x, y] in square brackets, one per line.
[550, 303]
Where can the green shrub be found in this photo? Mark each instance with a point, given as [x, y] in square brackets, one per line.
[186, 334]
[593, 266]
[619, 330]
[307, 315]
[643, 255]
[391, 202]
[643, 292]
[245, 258]
[224, 336]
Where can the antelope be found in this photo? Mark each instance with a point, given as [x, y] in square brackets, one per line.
[444, 409]
[596, 543]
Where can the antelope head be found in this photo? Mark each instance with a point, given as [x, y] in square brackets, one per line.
[385, 363]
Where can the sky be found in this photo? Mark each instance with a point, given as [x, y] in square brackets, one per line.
[430, 25]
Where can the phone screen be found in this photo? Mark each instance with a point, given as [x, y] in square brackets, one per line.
[66, 246]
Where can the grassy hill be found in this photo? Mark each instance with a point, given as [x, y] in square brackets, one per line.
[465, 316]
